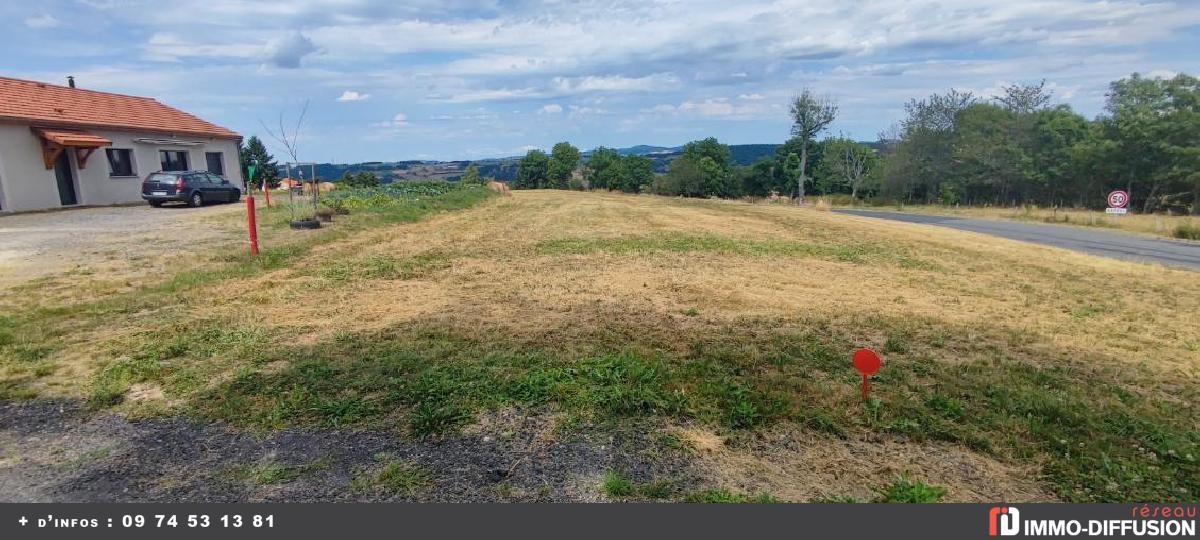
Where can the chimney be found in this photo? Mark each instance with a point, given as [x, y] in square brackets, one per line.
[71, 81]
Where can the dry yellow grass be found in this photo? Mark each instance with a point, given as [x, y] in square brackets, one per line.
[1060, 305]
[800, 466]
[575, 272]
[1070, 303]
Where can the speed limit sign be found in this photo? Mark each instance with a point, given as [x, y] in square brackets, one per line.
[1117, 201]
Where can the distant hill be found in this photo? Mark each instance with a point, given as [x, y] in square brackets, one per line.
[506, 168]
[643, 149]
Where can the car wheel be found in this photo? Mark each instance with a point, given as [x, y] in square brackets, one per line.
[237, 196]
[196, 200]
[156, 204]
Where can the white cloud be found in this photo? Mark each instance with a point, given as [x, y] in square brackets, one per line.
[45, 20]
[672, 69]
[501, 94]
[616, 83]
[578, 111]
[169, 47]
[552, 108]
[398, 121]
[287, 51]
[351, 95]
[1161, 74]
[720, 108]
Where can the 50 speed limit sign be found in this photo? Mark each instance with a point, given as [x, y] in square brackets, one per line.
[1117, 202]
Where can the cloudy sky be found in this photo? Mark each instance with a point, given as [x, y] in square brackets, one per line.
[445, 79]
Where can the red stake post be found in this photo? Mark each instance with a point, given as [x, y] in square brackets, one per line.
[867, 362]
[267, 192]
[252, 224]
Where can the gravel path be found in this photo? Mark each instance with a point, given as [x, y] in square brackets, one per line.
[54, 451]
[33, 245]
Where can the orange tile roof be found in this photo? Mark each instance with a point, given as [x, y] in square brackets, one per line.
[79, 139]
[49, 104]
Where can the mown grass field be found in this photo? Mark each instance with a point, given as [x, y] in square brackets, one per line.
[1182, 227]
[1011, 371]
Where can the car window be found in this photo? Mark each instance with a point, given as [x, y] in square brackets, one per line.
[161, 177]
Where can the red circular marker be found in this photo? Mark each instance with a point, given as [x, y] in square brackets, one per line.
[1118, 199]
[866, 361]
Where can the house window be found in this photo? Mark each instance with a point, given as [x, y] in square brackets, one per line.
[173, 160]
[120, 161]
[216, 162]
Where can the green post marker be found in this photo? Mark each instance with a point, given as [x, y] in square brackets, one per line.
[251, 167]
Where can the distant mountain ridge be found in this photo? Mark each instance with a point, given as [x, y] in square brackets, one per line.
[505, 168]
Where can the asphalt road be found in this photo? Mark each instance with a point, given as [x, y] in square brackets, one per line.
[1104, 243]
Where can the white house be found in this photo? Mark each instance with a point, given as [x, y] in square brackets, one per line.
[62, 146]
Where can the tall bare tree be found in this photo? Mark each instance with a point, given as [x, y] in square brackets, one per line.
[811, 114]
[289, 141]
[853, 161]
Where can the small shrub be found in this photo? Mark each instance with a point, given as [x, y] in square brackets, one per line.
[904, 490]
[395, 478]
[838, 499]
[437, 418]
[895, 343]
[616, 485]
[948, 406]
[722, 496]
[275, 473]
[1187, 231]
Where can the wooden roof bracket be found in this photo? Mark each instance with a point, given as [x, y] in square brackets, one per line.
[50, 152]
[82, 155]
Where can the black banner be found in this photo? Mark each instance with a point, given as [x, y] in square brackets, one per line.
[612, 521]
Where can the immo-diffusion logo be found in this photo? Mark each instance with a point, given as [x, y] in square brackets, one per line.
[1004, 521]
[1144, 520]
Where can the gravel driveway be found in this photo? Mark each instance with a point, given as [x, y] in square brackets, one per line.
[34, 245]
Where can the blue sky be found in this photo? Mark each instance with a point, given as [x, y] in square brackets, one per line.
[426, 79]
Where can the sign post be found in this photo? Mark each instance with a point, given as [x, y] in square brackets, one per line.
[1117, 202]
[251, 222]
[867, 362]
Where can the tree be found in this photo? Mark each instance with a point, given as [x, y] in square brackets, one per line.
[810, 116]
[1022, 99]
[793, 170]
[638, 174]
[604, 169]
[266, 169]
[532, 173]
[710, 148]
[471, 176]
[1154, 125]
[364, 179]
[290, 141]
[988, 158]
[923, 158]
[683, 178]
[759, 179]
[847, 165]
[564, 158]
[1055, 172]
[701, 170]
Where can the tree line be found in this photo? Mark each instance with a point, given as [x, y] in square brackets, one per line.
[1014, 148]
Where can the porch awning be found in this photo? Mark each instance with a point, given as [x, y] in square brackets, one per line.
[54, 141]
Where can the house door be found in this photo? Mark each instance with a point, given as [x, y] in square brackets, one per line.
[66, 180]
